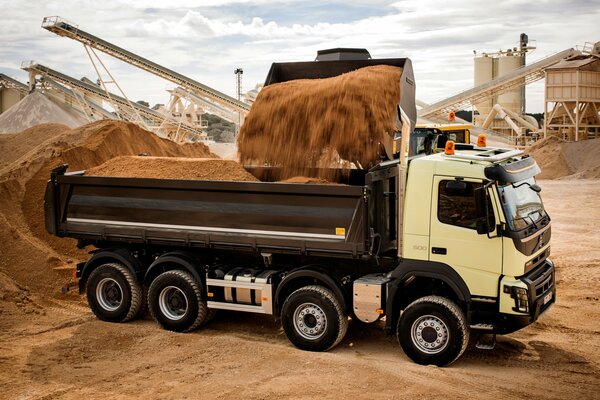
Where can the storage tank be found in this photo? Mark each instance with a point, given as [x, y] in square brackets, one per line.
[512, 99]
[484, 72]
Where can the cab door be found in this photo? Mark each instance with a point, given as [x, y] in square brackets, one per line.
[454, 240]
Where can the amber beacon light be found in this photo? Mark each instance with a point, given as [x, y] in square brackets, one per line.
[482, 140]
[449, 148]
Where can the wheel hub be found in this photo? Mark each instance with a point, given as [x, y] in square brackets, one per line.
[109, 294]
[430, 334]
[173, 303]
[310, 321]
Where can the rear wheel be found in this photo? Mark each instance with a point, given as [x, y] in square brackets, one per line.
[433, 330]
[113, 293]
[175, 301]
[313, 319]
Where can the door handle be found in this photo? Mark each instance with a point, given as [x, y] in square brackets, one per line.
[439, 250]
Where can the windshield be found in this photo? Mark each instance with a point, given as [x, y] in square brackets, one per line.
[522, 205]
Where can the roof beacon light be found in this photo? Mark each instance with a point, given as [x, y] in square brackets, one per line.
[451, 116]
[482, 140]
[449, 148]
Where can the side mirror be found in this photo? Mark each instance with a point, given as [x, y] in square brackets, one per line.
[482, 226]
[480, 202]
[482, 211]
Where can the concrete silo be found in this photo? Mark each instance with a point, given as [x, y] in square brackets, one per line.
[513, 99]
[489, 66]
[484, 72]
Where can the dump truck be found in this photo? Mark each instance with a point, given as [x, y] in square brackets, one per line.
[441, 247]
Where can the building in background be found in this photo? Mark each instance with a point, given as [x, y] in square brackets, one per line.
[489, 66]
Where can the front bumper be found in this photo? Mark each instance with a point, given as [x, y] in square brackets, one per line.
[541, 289]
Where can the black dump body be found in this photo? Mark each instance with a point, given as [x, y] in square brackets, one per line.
[305, 219]
[355, 220]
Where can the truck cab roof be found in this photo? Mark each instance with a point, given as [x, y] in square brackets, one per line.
[503, 165]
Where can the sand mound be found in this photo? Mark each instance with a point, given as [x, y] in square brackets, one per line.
[307, 123]
[35, 109]
[173, 168]
[560, 159]
[28, 254]
[15, 146]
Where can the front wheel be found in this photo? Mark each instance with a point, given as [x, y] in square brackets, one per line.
[313, 319]
[175, 301]
[433, 330]
[113, 293]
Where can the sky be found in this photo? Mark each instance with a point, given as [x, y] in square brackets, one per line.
[207, 40]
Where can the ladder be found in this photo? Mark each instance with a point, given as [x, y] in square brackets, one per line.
[61, 27]
[517, 78]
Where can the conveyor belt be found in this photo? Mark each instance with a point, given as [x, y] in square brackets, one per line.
[62, 28]
[154, 117]
[8, 82]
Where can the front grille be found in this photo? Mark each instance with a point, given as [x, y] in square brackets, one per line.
[543, 287]
[537, 261]
[541, 279]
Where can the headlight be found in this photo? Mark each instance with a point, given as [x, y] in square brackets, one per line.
[521, 299]
[520, 296]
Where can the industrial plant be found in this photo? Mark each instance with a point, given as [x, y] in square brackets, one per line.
[326, 234]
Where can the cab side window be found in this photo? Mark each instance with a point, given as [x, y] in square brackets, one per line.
[456, 203]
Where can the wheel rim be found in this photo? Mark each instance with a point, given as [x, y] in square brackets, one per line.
[109, 294]
[310, 321]
[173, 303]
[430, 334]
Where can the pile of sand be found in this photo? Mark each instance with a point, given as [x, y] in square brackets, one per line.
[35, 109]
[312, 122]
[559, 159]
[28, 255]
[173, 168]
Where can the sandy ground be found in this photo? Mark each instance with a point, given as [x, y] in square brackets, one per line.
[53, 348]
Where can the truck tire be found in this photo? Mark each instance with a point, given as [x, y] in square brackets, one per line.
[175, 301]
[433, 330]
[113, 293]
[313, 319]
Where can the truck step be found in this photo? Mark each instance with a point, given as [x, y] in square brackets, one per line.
[482, 327]
[486, 342]
[262, 309]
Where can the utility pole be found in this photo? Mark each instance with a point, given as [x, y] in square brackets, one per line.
[238, 74]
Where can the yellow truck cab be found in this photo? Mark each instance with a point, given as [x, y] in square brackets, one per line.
[486, 231]
[432, 138]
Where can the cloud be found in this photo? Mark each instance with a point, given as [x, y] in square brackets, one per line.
[207, 39]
